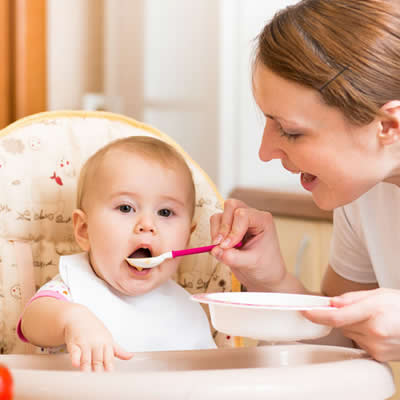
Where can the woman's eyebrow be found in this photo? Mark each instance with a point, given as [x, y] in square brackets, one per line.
[276, 117]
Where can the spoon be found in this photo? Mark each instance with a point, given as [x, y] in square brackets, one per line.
[151, 262]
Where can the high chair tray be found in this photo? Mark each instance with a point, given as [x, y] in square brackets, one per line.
[292, 371]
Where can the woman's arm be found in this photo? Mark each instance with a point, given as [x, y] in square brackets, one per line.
[335, 285]
[368, 316]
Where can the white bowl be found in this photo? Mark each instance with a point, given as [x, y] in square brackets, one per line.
[265, 316]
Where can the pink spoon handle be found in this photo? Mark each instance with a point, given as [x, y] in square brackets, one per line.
[196, 250]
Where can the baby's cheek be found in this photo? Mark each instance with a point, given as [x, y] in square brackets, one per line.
[171, 266]
[184, 235]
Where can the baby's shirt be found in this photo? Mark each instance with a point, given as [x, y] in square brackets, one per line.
[162, 319]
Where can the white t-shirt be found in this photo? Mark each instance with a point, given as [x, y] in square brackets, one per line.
[366, 238]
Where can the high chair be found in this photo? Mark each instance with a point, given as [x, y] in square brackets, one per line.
[40, 160]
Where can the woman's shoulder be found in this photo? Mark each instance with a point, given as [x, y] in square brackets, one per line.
[379, 207]
[383, 196]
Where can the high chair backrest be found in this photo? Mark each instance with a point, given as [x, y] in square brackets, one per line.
[40, 160]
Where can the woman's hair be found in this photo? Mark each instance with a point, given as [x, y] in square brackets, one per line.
[348, 50]
[147, 147]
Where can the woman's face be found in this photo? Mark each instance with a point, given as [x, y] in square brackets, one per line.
[336, 161]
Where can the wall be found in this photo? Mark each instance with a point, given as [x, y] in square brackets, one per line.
[180, 65]
[161, 67]
[75, 51]
[241, 123]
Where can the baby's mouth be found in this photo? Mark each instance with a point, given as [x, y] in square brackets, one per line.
[141, 252]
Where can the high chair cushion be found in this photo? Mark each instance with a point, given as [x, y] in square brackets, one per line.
[40, 160]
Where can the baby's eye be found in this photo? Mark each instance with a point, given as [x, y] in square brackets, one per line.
[125, 208]
[165, 212]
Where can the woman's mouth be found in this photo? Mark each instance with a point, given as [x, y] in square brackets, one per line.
[308, 181]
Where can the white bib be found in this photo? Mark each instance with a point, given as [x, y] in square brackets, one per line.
[163, 319]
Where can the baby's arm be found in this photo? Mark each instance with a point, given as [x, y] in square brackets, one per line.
[50, 322]
[44, 321]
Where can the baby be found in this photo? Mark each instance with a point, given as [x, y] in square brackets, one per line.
[135, 198]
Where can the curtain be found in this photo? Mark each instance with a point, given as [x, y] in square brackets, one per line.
[23, 59]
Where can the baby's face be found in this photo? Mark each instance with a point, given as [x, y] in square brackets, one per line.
[135, 204]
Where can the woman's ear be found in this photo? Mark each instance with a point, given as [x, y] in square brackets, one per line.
[79, 220]
[390, 128]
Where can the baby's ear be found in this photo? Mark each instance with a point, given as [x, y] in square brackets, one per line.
[79, 220]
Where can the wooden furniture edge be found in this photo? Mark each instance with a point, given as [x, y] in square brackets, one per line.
[285, 204]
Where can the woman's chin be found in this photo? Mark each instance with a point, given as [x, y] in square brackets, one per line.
[329, 203]
[323, 203]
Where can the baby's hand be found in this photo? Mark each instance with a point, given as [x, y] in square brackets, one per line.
[89, 342]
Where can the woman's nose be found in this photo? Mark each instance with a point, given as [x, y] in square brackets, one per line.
[145, 224]
[269, 148]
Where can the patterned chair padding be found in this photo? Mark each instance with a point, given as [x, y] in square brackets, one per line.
[40, 159]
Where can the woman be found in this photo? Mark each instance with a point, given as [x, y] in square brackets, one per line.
[327, 78]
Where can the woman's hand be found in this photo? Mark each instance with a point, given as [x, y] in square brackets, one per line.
[371, 318]
[89, 342]
[258, 264]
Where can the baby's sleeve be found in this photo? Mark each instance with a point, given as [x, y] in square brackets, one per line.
[55, 288]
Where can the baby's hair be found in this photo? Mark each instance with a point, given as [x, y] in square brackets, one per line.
[147, 147]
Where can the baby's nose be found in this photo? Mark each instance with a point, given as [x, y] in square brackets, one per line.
[145, 225]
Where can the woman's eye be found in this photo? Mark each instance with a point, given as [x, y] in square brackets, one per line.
[125, 208]
[165, 212]
[288, 135]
